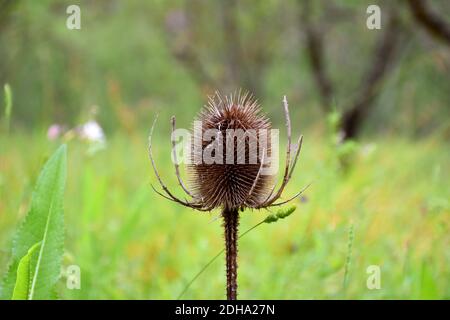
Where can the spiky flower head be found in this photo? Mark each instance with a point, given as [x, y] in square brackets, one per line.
[242, 137]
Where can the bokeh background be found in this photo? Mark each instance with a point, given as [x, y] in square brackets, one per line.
[373, 106]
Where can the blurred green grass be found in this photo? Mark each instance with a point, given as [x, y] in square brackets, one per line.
[132, 244]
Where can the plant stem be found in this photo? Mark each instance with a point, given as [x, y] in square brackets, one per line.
[230, 223]
[212, 260]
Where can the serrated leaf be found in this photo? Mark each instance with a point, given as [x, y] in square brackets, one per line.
[44, 223]
[24, 275]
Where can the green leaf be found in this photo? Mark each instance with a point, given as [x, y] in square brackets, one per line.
[24, 275]
[44, 223]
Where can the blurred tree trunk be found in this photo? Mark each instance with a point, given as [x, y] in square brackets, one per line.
[316, 56]
[232, 42]
[381, 63]
[181, 42]
[238, 66]
[241, 71]
[428, 19]
[356, 112]
[6, 8]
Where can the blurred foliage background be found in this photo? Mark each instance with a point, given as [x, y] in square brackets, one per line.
[373, 106]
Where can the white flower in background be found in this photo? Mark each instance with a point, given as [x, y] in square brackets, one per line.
[368, 149]
[54, 131]
[92, 132]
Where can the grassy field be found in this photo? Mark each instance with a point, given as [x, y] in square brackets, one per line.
[130, 243]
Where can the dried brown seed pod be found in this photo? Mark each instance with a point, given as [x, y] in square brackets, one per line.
[238, 123]
[236, 182]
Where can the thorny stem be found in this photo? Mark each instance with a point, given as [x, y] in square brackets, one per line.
[230, 223]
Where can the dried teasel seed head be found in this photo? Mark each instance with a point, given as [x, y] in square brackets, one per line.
[240, 123]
